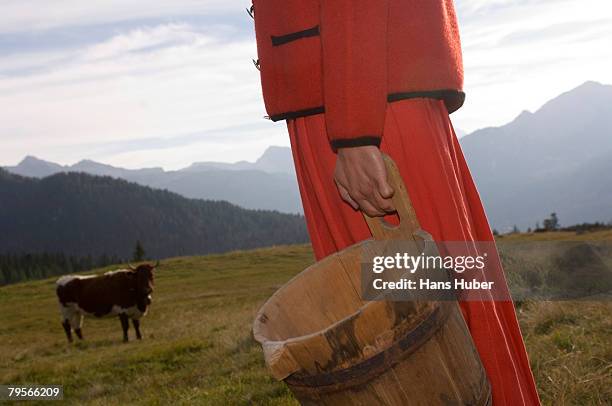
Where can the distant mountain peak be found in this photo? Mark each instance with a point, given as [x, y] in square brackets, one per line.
[88, 161]
[274, 149]
[586, 89]
[555, 159]
[582, 103]
[36, 167]
[590, 84]
[525, 114]
[28, 158]
[275, 159]
[31, 159]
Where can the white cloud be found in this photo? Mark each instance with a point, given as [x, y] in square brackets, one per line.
[36, 15]
[159, 81]
[143, 39]
[114, 96]
[518, 54]
[245, 145]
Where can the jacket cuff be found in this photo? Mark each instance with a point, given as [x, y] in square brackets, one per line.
[356, 142]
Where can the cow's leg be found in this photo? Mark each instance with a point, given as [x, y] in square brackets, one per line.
[76, 322]
[66, 325]
[71, 319]
[136, 324]
[125, 325]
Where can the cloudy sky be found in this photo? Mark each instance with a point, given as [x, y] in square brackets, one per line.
[165, 83]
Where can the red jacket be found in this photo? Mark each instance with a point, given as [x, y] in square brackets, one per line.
[348, 58]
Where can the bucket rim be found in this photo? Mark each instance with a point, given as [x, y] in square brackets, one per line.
[257, 323]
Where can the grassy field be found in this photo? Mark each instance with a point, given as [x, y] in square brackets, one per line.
[198, 349]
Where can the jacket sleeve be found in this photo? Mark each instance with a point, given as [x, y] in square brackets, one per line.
[354, 47]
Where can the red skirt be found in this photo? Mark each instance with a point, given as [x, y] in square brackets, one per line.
[419, 136]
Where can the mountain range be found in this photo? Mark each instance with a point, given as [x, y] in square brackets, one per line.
[268, 183]
[556, 159]
[85, 215]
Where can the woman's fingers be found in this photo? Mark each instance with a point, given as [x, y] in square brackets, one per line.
[384, 188]
[346, 196]
[384, 194]
[361, 178]
[368, 208]
[385, 205]
[358, 199]
[371, 202]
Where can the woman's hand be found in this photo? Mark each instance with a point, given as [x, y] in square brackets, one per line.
[361, 177]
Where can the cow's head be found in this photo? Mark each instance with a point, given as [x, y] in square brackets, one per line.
[145, 281]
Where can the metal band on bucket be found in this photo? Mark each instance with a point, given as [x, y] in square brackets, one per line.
[357, 374]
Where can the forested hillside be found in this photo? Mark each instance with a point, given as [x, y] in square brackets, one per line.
[83, 215]
[268, 183]
[19, 267]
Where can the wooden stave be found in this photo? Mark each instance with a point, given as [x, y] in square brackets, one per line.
[308, 389]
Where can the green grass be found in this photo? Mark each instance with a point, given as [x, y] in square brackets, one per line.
[198, 348]
[197, 344]
[570, 351]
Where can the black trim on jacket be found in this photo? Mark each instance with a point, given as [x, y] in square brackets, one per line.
[452, 98]
[298, 113]
[283, 39]
[355, 142]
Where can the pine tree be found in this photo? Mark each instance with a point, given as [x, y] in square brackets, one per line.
[551, 223]
[139, 252]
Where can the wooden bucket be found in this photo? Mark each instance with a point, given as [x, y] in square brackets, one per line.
[333, 348]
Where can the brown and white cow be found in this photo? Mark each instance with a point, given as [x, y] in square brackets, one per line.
[124, 292]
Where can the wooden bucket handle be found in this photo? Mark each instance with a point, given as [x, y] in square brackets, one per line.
[409, 224]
